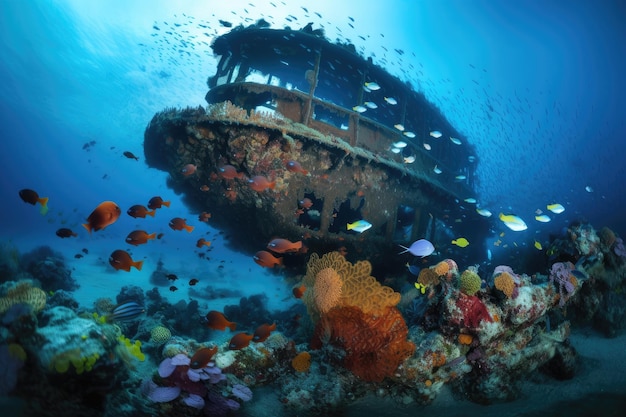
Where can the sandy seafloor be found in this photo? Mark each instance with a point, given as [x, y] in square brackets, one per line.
[598, 389]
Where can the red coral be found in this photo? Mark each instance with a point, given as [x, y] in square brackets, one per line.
[473, 310]
[374, 345]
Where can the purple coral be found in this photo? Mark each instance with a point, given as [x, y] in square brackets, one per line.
[560, 274]
[619, 248]
[242, 392]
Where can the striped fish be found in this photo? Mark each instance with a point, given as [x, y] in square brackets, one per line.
[126, 311]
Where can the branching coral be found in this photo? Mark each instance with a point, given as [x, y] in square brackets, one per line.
[358, 287]
[374, 346]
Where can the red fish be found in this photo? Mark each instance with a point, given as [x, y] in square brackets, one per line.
[298, 292]
[188, 170]
[157, 202]
[266, 259]
[202, 242]
[229, 172]
[204, 216]
[240, 341]
[65, 232]
[139, 237]
[104, 215]
[120, 259]
[140, 211]
[204, 188]
[263, 332]
[294, 166]
[179, 224]
[284, 246]
[31, 197]
[259, 183]
[218, 321]
[305, 203]
[202, 357]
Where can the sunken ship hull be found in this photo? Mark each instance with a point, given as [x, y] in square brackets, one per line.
[267, 116]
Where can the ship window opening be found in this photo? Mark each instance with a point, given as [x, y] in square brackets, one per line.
[344, 215]
[405, 219]
[309, 209]
[332, 118]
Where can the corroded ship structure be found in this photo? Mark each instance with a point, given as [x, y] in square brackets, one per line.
[330, 138]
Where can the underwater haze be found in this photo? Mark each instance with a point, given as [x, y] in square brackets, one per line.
[535, 86]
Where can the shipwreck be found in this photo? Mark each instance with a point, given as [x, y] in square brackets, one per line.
[337, 138]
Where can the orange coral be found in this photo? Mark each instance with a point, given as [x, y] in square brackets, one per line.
[302, 362]
[358, 287]
[374, 345]
[428, 277]
[505, 283]
[442, 268]
[465, 339]
[327, 290]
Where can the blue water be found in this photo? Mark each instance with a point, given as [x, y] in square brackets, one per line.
[536, 87]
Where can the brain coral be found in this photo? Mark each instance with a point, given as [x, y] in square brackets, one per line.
[160, 335]
[24, 292]
[358, 287]
[505, 283]
[470, 282]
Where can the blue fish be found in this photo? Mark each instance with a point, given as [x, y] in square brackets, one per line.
[420, 248]
[413, 269]
[126, 311]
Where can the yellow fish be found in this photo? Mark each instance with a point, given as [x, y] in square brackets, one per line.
[420, 287]
[460, 242]
[538, 245]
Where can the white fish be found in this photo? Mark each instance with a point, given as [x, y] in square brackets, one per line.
[409, 159]
[513, 222]
[455, 140]
[437, 170]
[470, 200]
[399, 144]
[371, 105]
[483, 212]
[436, 134]
[396, 150]
[399, 127]
[542, 218]
[391, 101]
[471, 158]
[408, 134]
[460, 177]
[589, 189]
[372, 86]
[359, 109]
[427, 146]
[556, 208]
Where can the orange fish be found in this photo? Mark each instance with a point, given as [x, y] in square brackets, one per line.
[104, 215]
[218, 321]
[31, 197]
[204, 188]
[120, 259]
[298, 292]
[266, 259]
[204, 216]
[229, 172]
[139, 237]
[305, 203]
[294, 166]
[140, 211]
[230, 194]
[157, 202]
[179, 224]
[188, 170]
[259, 183]
[65, 232]
[263, 332]
[202, 357]
[240, 341]
[284, 246]
[202, 242]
